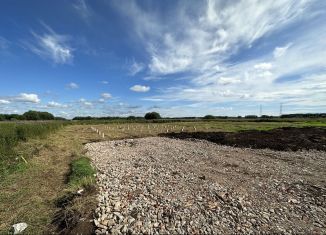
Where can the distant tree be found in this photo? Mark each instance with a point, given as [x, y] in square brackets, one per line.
[209, 117]
[83, 118]
[265, 116]
[239, 117]
[31, 115]
[152, 115]
[131, 118]
[46, 116]
[35, 115]
[251, 116]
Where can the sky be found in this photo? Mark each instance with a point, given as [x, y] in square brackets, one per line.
[178, 58]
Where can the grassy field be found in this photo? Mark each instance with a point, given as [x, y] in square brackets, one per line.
[53, 161]
[135, 130]
[13, 133]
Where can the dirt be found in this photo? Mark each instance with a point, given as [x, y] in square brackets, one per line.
[282, 139]
[75, 213]
[172, 186]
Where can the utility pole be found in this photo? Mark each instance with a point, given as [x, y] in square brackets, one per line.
[281, 109]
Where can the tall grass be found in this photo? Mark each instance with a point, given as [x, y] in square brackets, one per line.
[13, 133]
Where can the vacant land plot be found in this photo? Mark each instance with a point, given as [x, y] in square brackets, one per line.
[37, 159]
[163, 185]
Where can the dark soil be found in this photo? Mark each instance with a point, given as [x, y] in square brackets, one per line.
[282, 139]
[75, 214]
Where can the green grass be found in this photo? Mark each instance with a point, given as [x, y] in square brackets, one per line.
[82, 173]
[13, 133]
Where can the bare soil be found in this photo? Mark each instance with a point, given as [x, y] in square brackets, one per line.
[283, 139]
[172, 186]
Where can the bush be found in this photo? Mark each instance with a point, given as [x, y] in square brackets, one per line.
[35, 115]
[251, 116]
[209, 117]
[152, 115]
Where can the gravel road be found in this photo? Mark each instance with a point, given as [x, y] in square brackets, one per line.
[161, 185]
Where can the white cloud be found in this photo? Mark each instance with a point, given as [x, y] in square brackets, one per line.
[263, 66]
[52, 46]
[106, 96]
[72, 85]
[104, 82]
[4, 43]
[25, 97]
[4, 102]
[227, 81]
[53, 104]
[87, 103]
[140, 88]
[209, 33]
[136, 68]
[83, 10]
[214, 34]
[280, 51]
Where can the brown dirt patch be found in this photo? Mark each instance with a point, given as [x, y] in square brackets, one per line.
[282, 139]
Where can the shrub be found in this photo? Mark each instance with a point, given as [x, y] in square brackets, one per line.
[35, 115]
[152, 115]
[209, 117]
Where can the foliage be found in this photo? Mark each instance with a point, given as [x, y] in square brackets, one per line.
[13, 133]
[304, 115]
[209, 117]
[36, 115]
[30, 115]
[251, 116]
[152, 115]
[81, 172]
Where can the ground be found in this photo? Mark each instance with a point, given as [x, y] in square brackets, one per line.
[34, 193]
[164, 185]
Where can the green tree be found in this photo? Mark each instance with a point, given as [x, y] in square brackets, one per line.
[152, 115]
[209, 117]
[35, 115]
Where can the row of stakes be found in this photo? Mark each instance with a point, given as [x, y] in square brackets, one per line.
[98, 132]
[140, 129]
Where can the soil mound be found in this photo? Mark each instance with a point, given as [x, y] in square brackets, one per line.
[282, 139]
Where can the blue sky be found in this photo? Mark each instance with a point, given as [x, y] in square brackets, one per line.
[180, 58]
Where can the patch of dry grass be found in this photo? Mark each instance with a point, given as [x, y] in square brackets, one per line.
[28, 196]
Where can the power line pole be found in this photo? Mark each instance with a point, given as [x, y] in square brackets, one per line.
[281, 109]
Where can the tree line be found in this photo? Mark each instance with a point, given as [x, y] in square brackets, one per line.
[29, 115]
[37, 115]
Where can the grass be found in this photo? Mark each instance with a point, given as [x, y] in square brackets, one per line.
[30, 195]
[57, 164]
[135, 130]
[82, 173]
[13, 133]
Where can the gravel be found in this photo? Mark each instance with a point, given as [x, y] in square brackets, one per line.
[166, 186]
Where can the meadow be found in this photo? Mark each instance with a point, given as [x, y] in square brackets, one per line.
[13, 133]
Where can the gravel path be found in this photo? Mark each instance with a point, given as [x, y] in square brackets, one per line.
[166, 186]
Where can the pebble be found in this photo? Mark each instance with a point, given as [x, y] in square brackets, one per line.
[152, 186]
